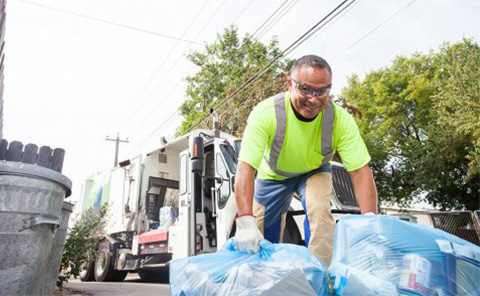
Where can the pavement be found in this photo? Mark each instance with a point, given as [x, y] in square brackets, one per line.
[132, 285]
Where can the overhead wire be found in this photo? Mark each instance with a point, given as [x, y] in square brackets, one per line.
[176, 61]
[178, 39]
[294, 46]
[135, 105]
[333, 18]
[312, 31]
[374, 29]
[110, 22]
[258, 29]
[268, 19]
[261, 72]
[152, 110]
[243, 11]
[277, 18]
[180, 56]
[153, 132]
[134, 102]
[261, 27]
[287, 51]
[337, 18]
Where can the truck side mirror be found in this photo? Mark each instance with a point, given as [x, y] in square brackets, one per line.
[196, 154]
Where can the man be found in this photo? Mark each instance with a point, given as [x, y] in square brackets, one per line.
[289, 140]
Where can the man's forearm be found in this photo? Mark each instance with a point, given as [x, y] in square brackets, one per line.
[244, 188]
[365, 190]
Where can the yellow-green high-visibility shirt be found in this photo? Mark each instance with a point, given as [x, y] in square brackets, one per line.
[301, 151]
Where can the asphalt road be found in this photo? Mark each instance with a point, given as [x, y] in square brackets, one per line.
[132, 285]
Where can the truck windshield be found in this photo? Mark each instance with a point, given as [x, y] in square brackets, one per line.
[230, 156]
[238, 145]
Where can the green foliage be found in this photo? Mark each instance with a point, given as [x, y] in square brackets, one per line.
[82, 242]
[223, 67]
[458, 99]
[420, 123]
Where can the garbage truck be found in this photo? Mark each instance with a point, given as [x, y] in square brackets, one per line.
[178, 201]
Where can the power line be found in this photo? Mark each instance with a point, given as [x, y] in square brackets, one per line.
[330, 18]
[153, 110]
[290, 48]
[198, 33]
[318, 26]
[177, 60]
[343, 12]
[266, 21]
[135, 104]
[277, 18]
[261, 72]
[262, 26]
[156, 130]
[110, 22]
[376, 28]
[243, 10]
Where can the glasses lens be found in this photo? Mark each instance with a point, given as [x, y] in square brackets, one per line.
[310, 92]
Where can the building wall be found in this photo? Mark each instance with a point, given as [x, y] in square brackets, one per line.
[2, 59]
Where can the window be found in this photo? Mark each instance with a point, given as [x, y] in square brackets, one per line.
[238, 145]
[230, 157]
[225, 187]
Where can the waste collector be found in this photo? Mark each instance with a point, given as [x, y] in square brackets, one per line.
[289, 141]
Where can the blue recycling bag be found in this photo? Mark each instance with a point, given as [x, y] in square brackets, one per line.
[382, 255]
[278, 269]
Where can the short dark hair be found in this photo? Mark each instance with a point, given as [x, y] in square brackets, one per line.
[311, 61]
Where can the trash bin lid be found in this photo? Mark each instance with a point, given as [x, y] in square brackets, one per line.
[29, 170]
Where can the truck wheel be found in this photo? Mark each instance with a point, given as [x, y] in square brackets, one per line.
[86, 272]
[103, 270]
[154, 275]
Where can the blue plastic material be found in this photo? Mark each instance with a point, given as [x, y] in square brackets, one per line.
[278, 269]
[382, 255]
[167, 216]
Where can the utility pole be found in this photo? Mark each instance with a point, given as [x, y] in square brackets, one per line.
[117, 143]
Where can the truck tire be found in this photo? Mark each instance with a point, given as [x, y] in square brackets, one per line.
[103, 270]
[154, 275]
[86, 272]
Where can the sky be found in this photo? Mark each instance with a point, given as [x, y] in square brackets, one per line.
[79, 71]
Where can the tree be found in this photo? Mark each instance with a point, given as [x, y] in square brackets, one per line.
[223, 67]
[83, 242]
[458, 99]
[415, 155]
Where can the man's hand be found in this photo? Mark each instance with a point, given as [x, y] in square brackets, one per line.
[248, 236]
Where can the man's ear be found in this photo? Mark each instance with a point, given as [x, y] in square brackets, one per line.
[288, 79]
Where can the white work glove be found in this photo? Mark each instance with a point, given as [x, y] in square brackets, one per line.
[247, 237]
[369, 214]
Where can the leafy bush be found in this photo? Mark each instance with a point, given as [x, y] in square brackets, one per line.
[82, 243]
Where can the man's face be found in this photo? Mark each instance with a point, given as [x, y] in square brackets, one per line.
[310, 88]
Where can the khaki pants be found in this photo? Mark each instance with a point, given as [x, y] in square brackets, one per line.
[272, 201]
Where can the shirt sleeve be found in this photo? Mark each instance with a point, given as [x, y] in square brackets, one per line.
[350, 145]
[255, 137]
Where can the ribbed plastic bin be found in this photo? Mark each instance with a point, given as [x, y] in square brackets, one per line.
[55, 261]
[31, 199]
